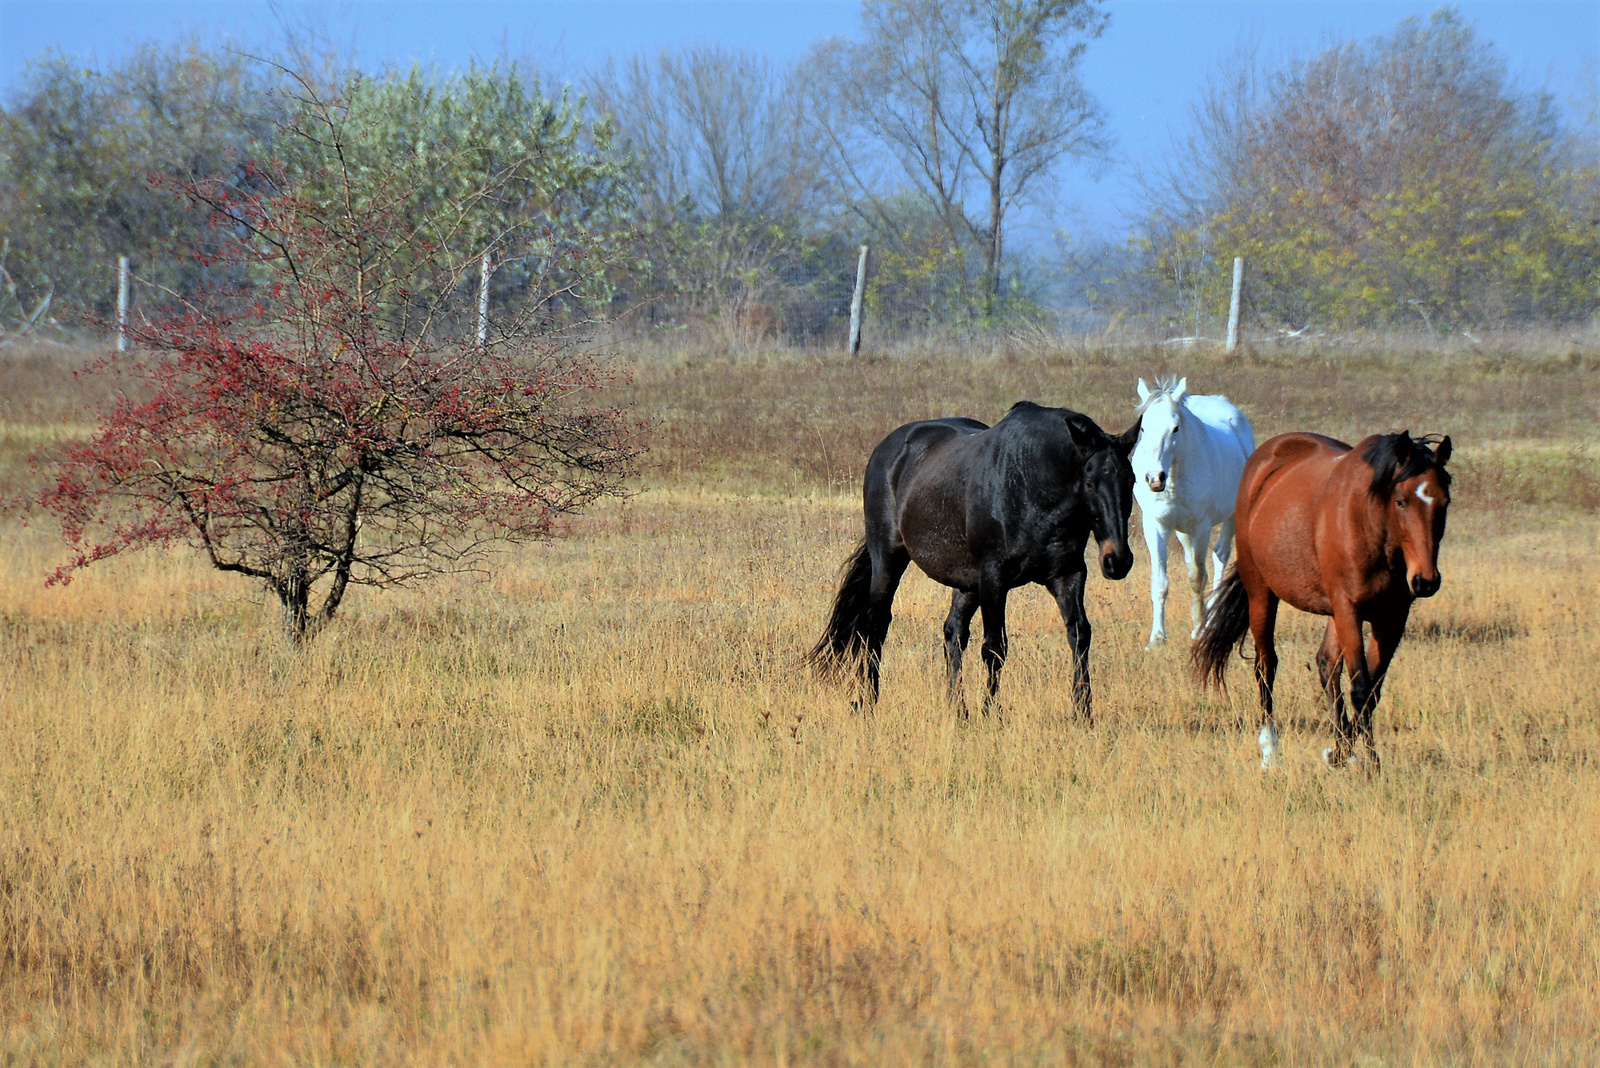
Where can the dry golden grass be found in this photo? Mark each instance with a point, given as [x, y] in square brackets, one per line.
[587, 809]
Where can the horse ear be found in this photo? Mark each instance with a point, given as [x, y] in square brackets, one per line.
[1091, 438]
[1125, 441]
[1441, 455]
[1080, 437]
[1181, 390]
[1144, 391]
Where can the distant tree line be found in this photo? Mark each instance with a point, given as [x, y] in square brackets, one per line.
[1399, 179]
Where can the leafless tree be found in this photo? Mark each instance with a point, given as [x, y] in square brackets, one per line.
[972, 103]
[713, 130]
[724, 186]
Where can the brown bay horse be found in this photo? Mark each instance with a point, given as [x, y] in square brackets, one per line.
[1350, 533]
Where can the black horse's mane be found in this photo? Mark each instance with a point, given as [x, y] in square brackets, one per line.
[1081, 422]
[1397, 457]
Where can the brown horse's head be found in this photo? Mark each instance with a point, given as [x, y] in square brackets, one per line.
[1409, 477]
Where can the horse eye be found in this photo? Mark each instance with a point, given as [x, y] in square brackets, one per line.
[1401, 502]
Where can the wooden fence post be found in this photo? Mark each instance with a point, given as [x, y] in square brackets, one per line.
[1233, 305]
[856, 302]
[483, 300]
[122, 304]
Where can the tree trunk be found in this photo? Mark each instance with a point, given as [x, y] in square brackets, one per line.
[294, 593]
[997, 207]
[991, 255]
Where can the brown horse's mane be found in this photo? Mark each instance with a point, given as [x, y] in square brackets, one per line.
[1397, 457]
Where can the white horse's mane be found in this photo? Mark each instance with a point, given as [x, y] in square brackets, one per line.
[1164, 386]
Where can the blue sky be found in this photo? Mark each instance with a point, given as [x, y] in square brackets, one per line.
[1145, 70]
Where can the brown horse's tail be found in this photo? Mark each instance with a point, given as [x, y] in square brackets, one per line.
[844, 641]
[1226, 624]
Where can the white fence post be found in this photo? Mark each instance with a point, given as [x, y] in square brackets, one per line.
[856, 302]
[483, 300]
[122, 304]
[1233, 305]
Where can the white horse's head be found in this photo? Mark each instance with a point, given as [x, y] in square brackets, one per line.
[1160, 425]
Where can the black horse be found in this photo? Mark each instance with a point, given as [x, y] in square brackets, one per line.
[984, 510]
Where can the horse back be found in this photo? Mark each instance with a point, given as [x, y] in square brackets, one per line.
[899, 460]
[960, 496]
[1282, 496]
[1224, 419]
[1213, 461]
[904, 451]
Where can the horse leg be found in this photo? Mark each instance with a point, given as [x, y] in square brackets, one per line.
[1330, 669]
[957, 631]
[1346, 635]
[1068, 592]
[992, 599]
[1194, 558]
[887, 568]
[1155, 539]
[1385, 639]
[1220, 551]
[1263, 623]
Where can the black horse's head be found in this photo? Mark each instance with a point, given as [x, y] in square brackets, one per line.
[1108, 490]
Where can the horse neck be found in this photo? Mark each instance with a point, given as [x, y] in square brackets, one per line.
[1373, 539]
[1181, 459]
[1190, 458]
[1201, 476]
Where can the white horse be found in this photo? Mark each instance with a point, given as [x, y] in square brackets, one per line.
[1186, 470]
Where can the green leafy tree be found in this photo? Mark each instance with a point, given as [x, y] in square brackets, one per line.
[477, 162]
[79, 149]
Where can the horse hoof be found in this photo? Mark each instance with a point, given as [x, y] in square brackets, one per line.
[1155, 643]
[1268, 741]
[1332, 758]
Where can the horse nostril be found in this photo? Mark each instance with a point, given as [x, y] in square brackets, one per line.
[1425, 587]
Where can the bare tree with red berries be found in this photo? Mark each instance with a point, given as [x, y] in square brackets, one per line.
[323, 415]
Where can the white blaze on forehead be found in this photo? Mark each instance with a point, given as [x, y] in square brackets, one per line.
[1422, 495]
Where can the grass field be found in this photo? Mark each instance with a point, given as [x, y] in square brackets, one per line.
[588, 809]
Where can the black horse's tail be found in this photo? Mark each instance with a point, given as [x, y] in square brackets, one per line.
[1225, 627]
[844, 642]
